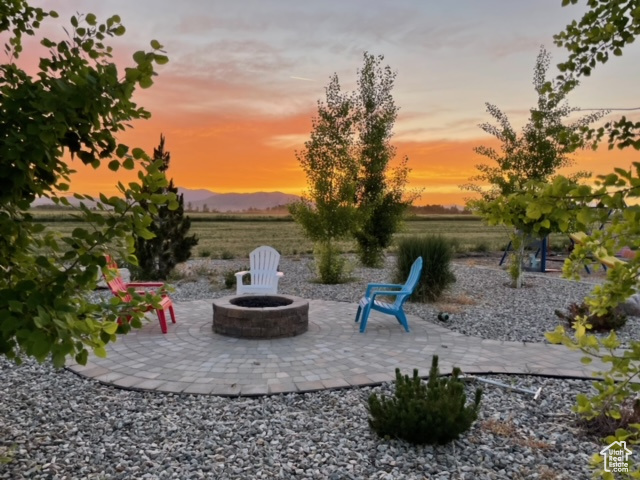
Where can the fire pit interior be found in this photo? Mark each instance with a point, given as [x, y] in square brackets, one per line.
[262, 301]
[260, 316]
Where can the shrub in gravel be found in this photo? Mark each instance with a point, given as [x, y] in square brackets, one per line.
[230, 278]
[436, 253]
[433, 413]
[330, 264]
[610, 321]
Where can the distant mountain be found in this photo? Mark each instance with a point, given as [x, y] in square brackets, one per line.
[237, 202]
[46, 202]
[222, 202]
[195, 195]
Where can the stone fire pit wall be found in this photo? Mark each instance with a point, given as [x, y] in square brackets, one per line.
[270, 322]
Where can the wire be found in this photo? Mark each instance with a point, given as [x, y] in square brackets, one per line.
[610, 109]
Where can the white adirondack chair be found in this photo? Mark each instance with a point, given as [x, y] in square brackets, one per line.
[263, 264]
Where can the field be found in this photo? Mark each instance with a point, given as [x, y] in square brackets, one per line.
[234, 236]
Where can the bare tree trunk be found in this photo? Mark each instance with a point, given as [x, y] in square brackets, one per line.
[517, 257]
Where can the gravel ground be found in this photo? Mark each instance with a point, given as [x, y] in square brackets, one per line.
[56, 425]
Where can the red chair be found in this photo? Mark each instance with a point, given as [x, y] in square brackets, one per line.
[121, 289]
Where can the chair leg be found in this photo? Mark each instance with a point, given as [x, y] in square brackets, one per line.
[358, 313]
[402, 320]
[173, 315]
[365, 318]
[163, 320]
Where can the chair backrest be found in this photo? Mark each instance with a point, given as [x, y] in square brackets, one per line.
[412, 281]
[263, 263]
[115, 283]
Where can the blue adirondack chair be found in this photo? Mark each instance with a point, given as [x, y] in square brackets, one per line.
[369, 302]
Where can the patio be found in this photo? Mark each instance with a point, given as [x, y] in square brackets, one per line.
[191, 358]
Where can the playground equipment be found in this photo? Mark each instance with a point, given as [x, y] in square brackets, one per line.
[537, 260]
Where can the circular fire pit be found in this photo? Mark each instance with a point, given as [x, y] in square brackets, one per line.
[260, 316]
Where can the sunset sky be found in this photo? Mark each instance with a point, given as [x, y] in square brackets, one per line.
[236, 99]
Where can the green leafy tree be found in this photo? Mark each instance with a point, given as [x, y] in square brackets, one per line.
[76, 103]
[540, 150]
[347, 162]
[602, 32]
[327, 210]
[381, 190]
[524, 161]
[172, 243]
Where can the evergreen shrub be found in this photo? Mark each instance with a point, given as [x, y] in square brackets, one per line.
[431, 413]
[436, 276]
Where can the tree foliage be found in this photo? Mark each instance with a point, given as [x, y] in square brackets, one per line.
[381, 190]
[543, 147]
[172, 243]
[327, 210]
[352, 189]
[76, 103]
[525, 162]
[604, 30]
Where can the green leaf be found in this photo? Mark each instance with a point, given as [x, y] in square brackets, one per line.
[140, 57]
[156, 45]
[114, 165]
[145, 82]
[110, 327]
[100, 351]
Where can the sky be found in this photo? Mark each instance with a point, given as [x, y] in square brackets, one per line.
[238, 95]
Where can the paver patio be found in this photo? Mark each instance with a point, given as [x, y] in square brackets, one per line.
[191, 358]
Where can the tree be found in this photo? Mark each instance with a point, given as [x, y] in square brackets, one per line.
[606, 28]
[347, 166]
[77, 103]
[380, 195]
[525, 161]
[171, 244]
[327, 210]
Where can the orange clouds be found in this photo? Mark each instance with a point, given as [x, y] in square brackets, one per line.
[252, 153]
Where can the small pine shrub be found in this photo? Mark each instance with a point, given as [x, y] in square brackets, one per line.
[205, 252]
[432, 413]
[436, 274]
[599, 323]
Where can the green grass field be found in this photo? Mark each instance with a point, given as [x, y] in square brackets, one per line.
[234, 236]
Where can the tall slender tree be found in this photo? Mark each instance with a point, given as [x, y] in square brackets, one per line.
[347, 162]
[535, 155]
[327, 211]
[540, 150]
[381, 190]
[171, 244]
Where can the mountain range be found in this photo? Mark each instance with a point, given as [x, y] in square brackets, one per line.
[234, 202]
[196, 199]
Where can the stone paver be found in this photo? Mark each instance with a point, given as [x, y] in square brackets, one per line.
[191, 358]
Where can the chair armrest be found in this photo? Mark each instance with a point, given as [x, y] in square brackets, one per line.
[242, 274]
[145, 284]
[371, 286]
[279, 274]
[387, 293]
